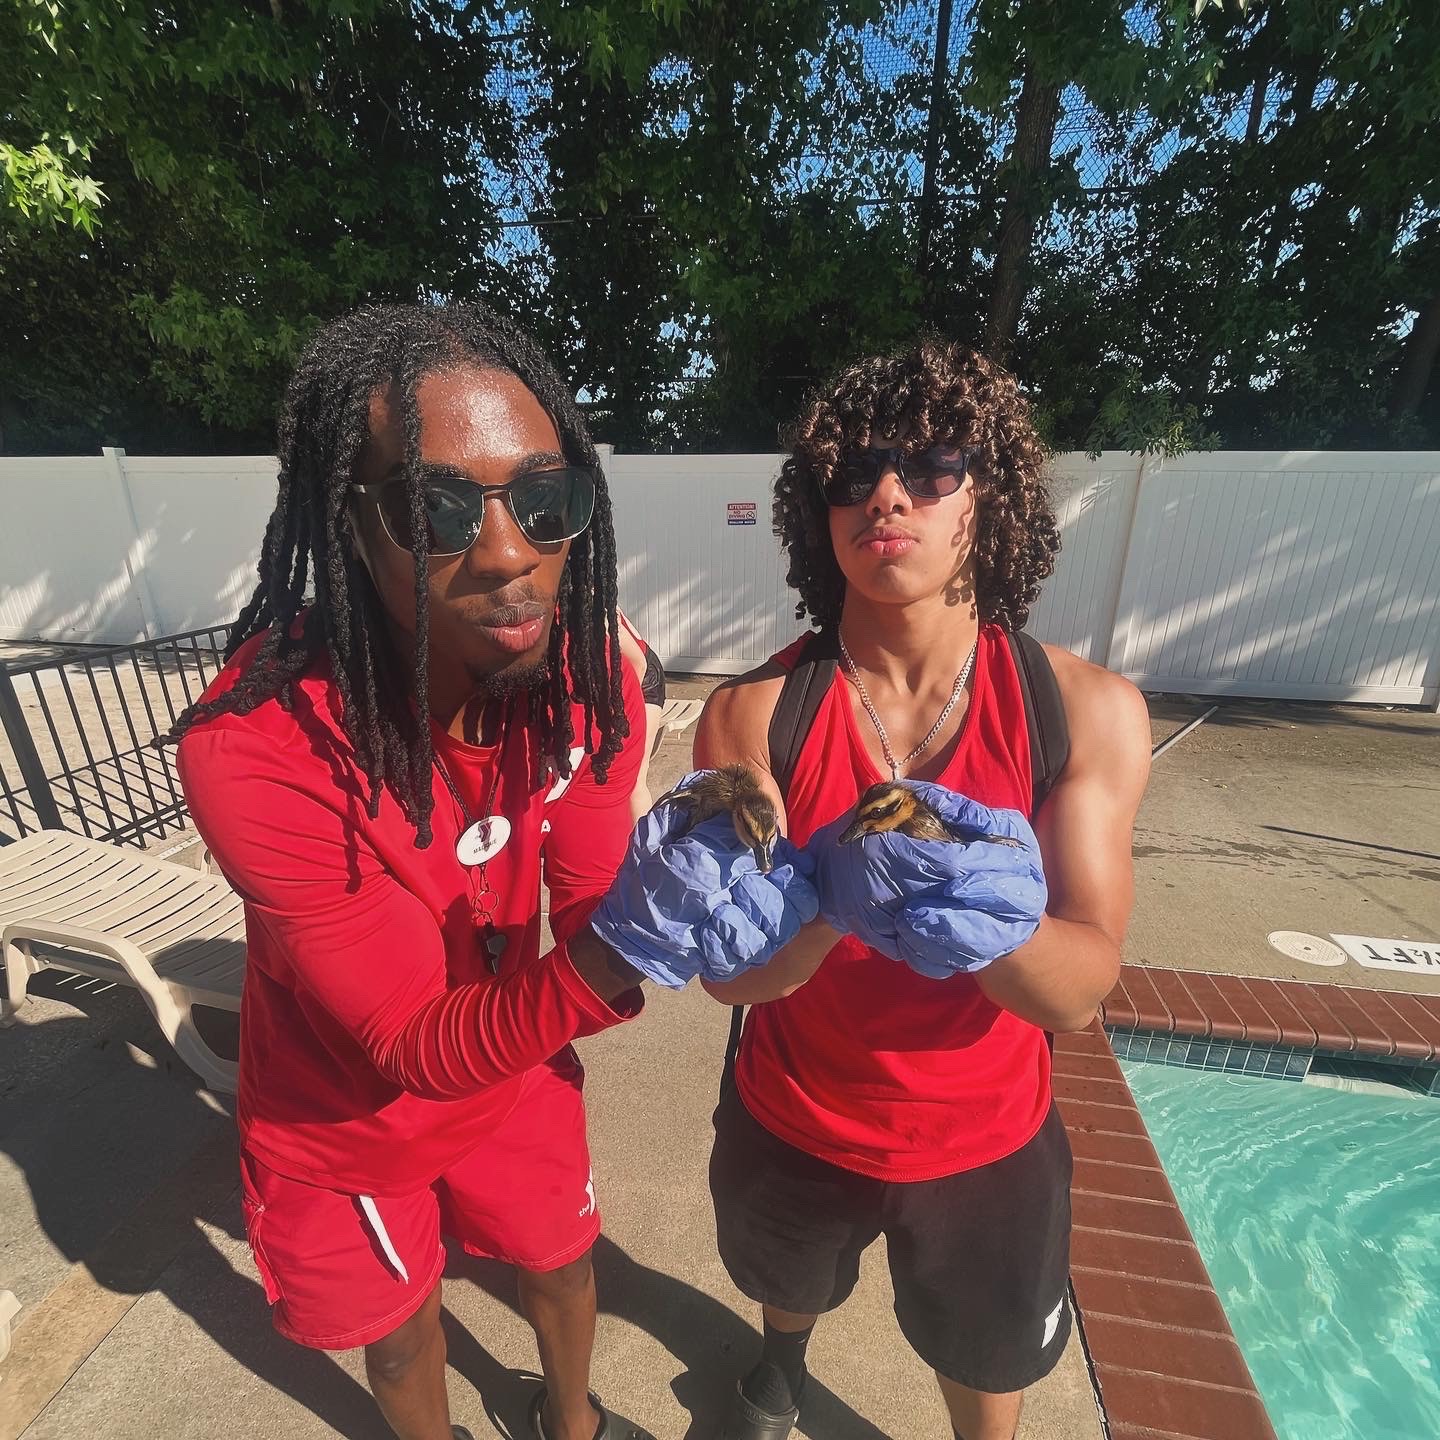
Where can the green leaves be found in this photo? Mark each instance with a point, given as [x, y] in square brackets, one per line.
[43, 187]
[264, 167]
[1236, 218]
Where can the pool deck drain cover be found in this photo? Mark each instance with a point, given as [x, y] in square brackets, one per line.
[1309, 948]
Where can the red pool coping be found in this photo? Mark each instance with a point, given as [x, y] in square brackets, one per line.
[1294, 1013]
[1164, 1359]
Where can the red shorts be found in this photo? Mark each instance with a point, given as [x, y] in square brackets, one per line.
[345, 1270]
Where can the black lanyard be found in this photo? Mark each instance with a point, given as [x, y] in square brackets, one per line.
[483, 898]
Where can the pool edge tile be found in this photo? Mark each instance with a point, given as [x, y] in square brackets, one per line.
[1182, 1407]
[1225, 1024]
[1361, 1020]
[1249, 1009]
[1158, 1000]
[1404, 1035]
[1295, 1030]
[1145, 996]
[1119, 1008]
[1187, 1016]
[1331, 1033]
[1172, 1308]
[1187, 1355]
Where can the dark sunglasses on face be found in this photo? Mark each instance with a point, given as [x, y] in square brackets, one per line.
[548, 506]
[936, 473]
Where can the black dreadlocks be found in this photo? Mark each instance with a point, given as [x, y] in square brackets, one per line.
[323, 424]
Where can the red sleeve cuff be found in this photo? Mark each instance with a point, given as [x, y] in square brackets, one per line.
[598, 1015]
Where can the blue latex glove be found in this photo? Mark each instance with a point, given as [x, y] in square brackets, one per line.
[696, 904]
[942, 907]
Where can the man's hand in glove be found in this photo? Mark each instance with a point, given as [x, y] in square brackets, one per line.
[691, 901]
[941, 906]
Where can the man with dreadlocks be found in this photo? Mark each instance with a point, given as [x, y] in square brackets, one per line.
[380, 773]
[914, 1098]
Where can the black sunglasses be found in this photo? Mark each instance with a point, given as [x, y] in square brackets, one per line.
[548, 506]
[936, 473]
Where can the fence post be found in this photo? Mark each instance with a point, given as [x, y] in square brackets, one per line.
[1119, 646]
[27, 757]
[134, 557]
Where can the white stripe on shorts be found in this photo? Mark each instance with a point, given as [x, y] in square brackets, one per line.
[382, 1235]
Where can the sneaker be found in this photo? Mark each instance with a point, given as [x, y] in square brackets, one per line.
[748, 1421]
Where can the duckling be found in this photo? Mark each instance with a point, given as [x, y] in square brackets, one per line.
[891, 805]
[733, 790]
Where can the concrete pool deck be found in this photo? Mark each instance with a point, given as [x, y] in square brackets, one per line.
[120, 1231]
[1318, 819]
[119, 1224]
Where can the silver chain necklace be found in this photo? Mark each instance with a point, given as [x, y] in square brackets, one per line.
[870, 710]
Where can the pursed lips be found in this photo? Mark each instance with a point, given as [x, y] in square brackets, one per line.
[514, 628]
[883, 532]
[504, 616]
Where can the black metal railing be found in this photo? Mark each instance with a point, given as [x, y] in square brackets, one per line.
[79, 748]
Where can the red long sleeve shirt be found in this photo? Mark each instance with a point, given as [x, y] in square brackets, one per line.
[376, 1044]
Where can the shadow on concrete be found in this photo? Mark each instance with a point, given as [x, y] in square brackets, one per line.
[709, 1339]
[146, 1159]
[1358, 844]
[1251, 714]
[95, 1195]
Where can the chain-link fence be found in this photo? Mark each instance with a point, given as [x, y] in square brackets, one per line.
[880, 102]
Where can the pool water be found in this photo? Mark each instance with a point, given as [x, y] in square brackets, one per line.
[1318, 1214]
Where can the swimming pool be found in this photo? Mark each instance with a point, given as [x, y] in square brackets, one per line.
[1318, 1214]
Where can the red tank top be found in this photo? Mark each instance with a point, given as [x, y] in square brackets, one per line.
[870, 1066]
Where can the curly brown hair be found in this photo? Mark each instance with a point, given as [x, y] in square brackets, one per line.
[947, 395]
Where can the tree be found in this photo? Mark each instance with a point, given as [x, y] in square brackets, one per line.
[262, 166]
[1181, 223]
[1106, 69]
[1280, 255]
[715, 260]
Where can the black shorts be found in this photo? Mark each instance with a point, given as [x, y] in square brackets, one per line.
[980, 1261]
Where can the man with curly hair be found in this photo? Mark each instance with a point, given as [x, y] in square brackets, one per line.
[913, 1099]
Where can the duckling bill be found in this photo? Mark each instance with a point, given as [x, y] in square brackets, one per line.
[733, 790]
[891, 805]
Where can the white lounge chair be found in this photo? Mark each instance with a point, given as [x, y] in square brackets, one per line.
[679, 715]
[96, 909]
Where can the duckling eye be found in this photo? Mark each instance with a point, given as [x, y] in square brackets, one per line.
[759, 820]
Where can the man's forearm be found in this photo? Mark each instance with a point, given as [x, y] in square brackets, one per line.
[1058, 978]
[786, 970]
[600, 967]
[461, 1040]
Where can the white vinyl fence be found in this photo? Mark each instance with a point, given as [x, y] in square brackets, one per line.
[111, 549]
[1295, 575]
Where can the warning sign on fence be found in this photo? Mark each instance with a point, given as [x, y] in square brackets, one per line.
[740, 512]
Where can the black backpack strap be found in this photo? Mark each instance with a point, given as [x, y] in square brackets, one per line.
[732, 1048]
[1044, 714]
[805, 687]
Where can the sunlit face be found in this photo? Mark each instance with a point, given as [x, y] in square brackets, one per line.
[895, 548]
[491, 608]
